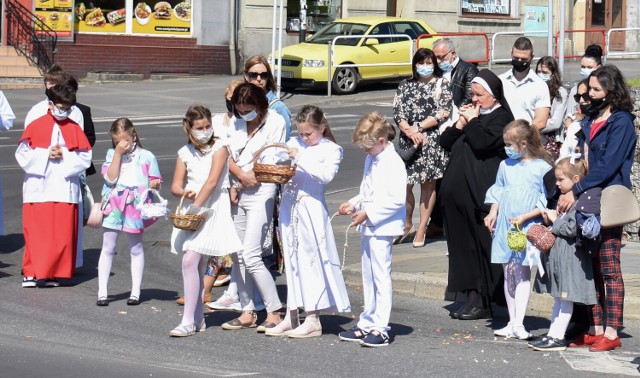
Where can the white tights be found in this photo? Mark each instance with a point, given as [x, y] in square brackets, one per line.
[109, 241]
[517, 287]
[193, 267]
[562, 311]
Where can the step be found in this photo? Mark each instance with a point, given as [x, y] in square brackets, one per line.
[10, 60]
[21, 83]
[8, 51]
[19, 71]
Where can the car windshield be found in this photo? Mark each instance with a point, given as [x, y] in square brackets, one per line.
[329, 32]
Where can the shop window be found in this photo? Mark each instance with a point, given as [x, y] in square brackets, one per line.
[487, 7]
[319, 14]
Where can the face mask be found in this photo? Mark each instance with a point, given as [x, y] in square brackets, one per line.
[229, 105]
[133, 148]
[446, 66]
[202, 136]
[424, 70]
[519, 65]
[585, 72]
[585, 108]
[544, 76]
[598, 104]
[250, 116]
[60, 114]
[511, 153]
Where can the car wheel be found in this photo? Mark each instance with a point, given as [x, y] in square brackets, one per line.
[345, 80]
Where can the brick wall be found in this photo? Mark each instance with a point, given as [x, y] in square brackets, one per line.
[145, 55]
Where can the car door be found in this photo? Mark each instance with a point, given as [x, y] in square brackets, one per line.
[385, 51]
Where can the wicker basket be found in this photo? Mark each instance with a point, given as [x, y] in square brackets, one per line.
[189, 222]
[272, 173]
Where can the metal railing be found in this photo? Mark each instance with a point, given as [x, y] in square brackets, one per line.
[484, 36]
[332, 46]
[493, 44]
[30, 36]
[585, 31]
[608, 51]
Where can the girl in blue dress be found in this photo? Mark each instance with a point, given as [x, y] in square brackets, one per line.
[518, 197]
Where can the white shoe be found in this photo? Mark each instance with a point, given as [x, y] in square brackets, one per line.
[520, 333]
[310, 328]
[504, 332]
[202, 326]
[226, 302]
[280, 329]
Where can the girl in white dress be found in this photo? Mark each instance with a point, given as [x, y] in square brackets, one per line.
[314, 278]
[204, 163]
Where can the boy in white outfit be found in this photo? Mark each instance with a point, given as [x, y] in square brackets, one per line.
[378, 210]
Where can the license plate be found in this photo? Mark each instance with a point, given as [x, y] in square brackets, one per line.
[285, 74]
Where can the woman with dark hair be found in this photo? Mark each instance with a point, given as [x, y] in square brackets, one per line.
[551, 135]
[591, 59]
[258, 72]
[254, 126]
[609, 134]
[420, 105]
[477, 148]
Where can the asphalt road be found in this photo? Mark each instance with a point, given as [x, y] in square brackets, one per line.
[60, 332]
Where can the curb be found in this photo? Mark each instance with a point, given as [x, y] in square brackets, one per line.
[434, 288]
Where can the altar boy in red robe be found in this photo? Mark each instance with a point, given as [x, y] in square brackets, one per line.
[53, 152]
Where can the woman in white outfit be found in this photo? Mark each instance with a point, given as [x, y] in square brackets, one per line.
[254, 126]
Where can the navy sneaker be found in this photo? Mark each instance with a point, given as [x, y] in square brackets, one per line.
[375, 339]
[552, 345]
[352, 334]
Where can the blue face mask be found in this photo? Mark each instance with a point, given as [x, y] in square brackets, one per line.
[250, 116]
[446, 66]
[424, 70]
[544, 76]
[512, 154]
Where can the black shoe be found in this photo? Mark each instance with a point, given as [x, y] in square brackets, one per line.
[552, 345]
[103, 301]
[133, 301]
[475, 313]
[538, 340]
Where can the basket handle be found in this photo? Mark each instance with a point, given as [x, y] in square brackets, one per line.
[257, 155]
[180, 204]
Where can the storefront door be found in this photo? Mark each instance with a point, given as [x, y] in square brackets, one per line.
[606, 14]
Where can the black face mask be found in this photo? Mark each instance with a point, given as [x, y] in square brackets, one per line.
[585, 108]
[229, 105]
[599, 104]
[519, 65]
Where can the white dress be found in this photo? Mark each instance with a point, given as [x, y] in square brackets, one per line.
[217, 235]
[314, 277]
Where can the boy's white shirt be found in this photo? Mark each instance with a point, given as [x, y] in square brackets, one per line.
[383, 194]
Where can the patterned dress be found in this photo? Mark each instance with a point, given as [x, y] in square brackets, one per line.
[414, 102]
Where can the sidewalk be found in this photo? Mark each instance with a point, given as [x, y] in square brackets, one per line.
[422, 272]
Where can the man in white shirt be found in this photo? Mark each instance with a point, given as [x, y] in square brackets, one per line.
[527, 94]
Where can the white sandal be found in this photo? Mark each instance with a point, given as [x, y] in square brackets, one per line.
[183, 330]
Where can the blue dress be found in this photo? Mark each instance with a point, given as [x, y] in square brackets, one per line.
[519, 189]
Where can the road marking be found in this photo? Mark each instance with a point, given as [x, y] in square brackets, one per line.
[620, 363]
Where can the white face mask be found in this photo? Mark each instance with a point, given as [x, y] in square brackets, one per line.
[202, 136]
[60, 114]
[544, 76]
[585, 72]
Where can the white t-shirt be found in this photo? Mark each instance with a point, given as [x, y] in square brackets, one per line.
[525, 96]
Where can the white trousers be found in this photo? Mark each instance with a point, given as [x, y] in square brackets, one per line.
[252, 218]
[376, 283]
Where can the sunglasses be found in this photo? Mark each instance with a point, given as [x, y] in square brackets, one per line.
[584, 96]
[254, 75]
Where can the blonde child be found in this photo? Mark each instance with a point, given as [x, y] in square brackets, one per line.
[314, 278]
[518, 197]
[204, 164]
[379, 211]
[568, 267]
[129, 171]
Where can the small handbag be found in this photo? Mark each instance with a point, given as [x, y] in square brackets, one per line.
[152, 205]
[516, 239]
[541, 237]
[618, 206]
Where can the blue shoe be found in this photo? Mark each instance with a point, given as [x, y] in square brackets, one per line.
[375, 339]
[352, 334]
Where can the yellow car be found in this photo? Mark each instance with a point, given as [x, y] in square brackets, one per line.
[306, 64]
